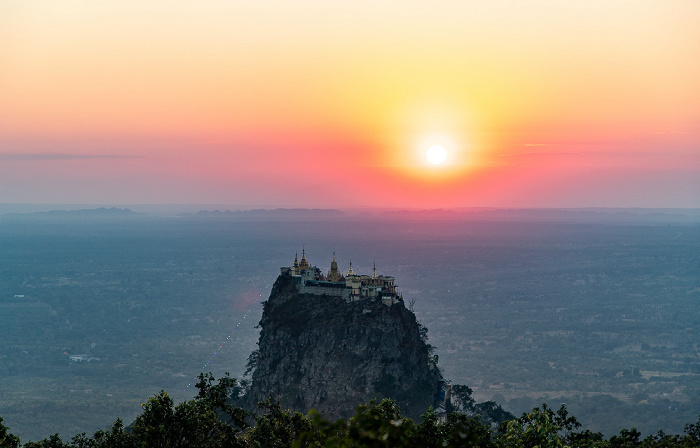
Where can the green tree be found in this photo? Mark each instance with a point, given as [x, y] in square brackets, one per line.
[538, 429]
[7, 440]
[252, 362]
[462, 400]
[429, 432]
[489, 411]
[492, 412]
[461, 430]
[628, 438]
[278, 428]
[383, 425]
[115, 437]
[53, 441]
[206, 421]
[586, 439]
[692, 431]
[379, 425]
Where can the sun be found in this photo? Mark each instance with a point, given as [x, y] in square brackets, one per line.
[436, 155]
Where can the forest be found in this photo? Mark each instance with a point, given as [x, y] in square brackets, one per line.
[211, 421]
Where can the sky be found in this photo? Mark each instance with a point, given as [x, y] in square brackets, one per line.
[334, 104]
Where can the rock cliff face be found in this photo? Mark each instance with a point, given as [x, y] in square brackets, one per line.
[319, 352]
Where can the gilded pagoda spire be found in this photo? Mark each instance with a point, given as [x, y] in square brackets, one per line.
[303, 264]
[334, 275]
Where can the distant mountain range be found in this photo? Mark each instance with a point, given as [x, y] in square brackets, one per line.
[553, 215]
[286, 213]
[101, 212]
[605, 215]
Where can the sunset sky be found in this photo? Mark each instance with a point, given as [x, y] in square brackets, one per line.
[335, 103]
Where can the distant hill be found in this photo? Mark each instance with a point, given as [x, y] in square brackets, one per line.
[279, 213]
[607, 215]
[95, 213]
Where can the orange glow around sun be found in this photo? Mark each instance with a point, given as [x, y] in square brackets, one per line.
[417, 130]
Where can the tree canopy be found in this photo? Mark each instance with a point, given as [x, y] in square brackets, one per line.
[210, 420]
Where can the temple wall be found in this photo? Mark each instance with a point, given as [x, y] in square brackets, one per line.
[325, 290]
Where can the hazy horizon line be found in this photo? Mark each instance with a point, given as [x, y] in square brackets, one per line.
[211, 207]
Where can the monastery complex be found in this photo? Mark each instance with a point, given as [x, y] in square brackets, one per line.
[351, 287]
